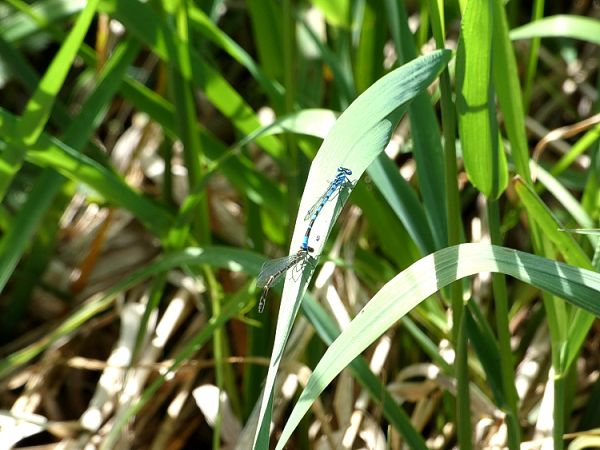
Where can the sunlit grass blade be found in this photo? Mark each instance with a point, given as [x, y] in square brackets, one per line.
[358, 137]
[422, 279]
[485, 161]
[547, 221]
[576, 27]
[211, 31]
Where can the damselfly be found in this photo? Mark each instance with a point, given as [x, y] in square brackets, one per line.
[272, 270]
[339, 182]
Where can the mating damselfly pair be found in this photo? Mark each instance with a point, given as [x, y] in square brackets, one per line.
[273, 270]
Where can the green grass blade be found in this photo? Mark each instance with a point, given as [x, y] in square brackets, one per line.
[183, 97]
[162, 39]
[485, 162]
[337, 12]
[394, 413]
[202, 23]
[404, 201]
[550, 226]
[24, 225]
[506, 83]
[425, 132]
[398, 193]
[24, 72]
[358, 137]
[575, 328]
[19, 26]
[565, 198]
[575, 27]
[582, 144]
[343, 79]
[50, 152]
[505, 352]
[27, 220]
[240, 171]
[267, 22]
[399, 246]
[534, 50]
[368, 60]
[39, 106]
[484, 343]
[422, 279]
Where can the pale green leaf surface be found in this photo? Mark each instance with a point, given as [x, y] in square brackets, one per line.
[425, 277]
[397, 192]
[328, 331]
[358, 137]
[590, 231]
[575, 27]
[311, 122]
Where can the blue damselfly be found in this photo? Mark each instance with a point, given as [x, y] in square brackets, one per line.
[339, 182]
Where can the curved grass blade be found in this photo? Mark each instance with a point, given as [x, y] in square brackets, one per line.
[580, 287]
[575, 27]
[358, 137]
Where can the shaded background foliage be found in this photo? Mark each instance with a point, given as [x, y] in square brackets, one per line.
[142, 188]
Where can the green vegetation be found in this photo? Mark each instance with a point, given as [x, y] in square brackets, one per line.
[153, 155]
